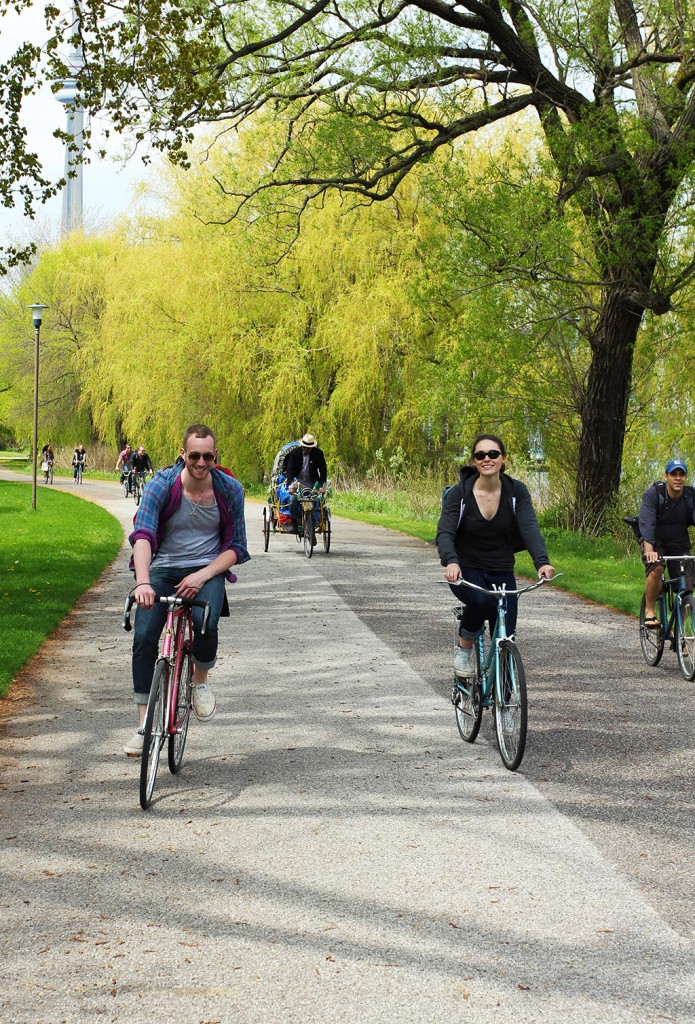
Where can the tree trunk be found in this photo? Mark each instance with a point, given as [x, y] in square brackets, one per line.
[604, 411]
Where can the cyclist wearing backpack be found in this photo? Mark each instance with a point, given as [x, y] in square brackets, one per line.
[485, 518]
[666, 512]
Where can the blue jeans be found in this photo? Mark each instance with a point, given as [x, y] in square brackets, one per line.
[478, 607]
[149, 623]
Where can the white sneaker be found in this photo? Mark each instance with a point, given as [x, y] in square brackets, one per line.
[204, 703]
[464, 663]
[133, 747]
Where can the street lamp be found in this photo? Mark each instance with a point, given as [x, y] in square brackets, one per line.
[37, 309]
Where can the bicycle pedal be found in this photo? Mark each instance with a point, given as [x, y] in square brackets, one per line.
[455, 696]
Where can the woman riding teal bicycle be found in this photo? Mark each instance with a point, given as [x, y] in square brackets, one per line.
[485, 519]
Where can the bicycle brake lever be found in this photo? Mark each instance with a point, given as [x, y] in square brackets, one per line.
[129, 601]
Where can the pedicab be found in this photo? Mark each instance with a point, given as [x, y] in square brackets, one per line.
[314, 513]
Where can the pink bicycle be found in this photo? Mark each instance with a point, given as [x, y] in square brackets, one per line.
[169, 704]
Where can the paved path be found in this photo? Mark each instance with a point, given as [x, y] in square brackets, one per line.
[331, 851]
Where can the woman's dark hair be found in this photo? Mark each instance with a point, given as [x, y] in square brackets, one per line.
[489, 437]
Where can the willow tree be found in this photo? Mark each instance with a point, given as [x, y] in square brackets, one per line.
[357, 82]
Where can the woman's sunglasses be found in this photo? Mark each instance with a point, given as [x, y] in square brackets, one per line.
[196, 456]
[492, 454]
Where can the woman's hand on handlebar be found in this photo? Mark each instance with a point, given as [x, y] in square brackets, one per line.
[453, 572]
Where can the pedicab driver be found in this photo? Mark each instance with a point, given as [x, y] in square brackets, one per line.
[189, 533]
[305, 466]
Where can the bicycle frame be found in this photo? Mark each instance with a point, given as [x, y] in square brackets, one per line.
[499, 682]
[178, 628]
[161, 721]
[489, 661]
[672, 591]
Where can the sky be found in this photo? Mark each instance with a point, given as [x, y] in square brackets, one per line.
[108, 184]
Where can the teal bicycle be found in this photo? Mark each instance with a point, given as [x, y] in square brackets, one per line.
[499, 682]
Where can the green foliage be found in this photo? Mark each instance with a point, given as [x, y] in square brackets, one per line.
[48, 558]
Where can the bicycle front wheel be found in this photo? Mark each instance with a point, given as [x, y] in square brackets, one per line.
[651, 638]
[327, 531]
[182, 712]
[154, 732]
[511, 708]
[686, 639]
[308, 530]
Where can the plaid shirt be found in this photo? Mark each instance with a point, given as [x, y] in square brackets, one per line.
[162, 497]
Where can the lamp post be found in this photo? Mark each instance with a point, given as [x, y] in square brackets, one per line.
[37, 309]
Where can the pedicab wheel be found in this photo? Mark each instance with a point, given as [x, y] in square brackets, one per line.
[266, 529]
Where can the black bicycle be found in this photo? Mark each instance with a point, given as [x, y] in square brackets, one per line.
[675, 620]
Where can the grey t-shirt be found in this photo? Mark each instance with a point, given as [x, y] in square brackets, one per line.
[192, 536]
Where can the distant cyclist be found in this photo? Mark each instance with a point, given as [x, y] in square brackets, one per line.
[79, 460]
[124, 464]
[140, 462]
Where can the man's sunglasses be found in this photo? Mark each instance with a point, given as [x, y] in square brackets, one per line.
[492, 454]
[196, 456]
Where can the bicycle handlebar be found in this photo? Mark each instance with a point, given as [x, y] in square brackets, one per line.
[173, 602]
[502, 591]
[675, 558]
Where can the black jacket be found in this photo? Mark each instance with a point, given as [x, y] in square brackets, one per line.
[317, 465]
[526, 532]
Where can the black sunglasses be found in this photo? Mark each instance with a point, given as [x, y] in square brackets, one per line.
[196, 456]
[492, 454]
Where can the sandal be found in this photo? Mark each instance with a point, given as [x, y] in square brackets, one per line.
[651, 622]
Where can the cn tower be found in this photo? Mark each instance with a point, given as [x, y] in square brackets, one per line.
[67, 95]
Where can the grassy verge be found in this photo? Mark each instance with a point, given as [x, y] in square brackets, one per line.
[48, 558]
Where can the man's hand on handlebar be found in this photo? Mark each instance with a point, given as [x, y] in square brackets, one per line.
[452, 572]
[144, 595]
[546, 572]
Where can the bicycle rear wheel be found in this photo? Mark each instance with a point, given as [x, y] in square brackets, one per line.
[686, 640]
[511, 708]
[651, 638]
[154, 732]
[182, 712]
[468, 704]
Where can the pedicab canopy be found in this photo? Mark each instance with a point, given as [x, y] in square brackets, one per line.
[281, 458]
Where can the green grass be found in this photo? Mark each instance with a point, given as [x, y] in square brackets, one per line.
[48, 558]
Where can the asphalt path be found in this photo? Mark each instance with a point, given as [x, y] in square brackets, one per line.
[331, 850]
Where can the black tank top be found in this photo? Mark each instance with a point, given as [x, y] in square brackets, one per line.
[487, 543]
